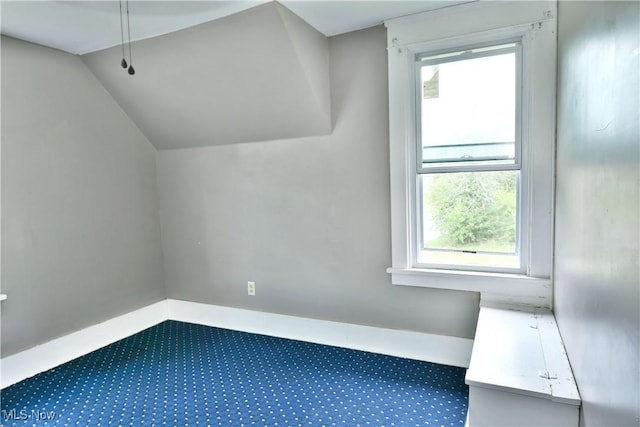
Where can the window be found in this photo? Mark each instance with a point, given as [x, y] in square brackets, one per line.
[469, 158]
[472, 127]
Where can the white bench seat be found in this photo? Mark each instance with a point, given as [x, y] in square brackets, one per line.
[519, 374]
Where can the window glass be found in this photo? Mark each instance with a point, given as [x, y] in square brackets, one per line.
[470, 219]
[467, 107]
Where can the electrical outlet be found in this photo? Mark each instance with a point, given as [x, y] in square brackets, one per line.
[251, 288]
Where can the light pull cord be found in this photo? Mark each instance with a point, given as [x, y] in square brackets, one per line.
[123, 63]
[131, 70]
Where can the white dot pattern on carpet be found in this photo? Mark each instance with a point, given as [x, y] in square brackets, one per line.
[181, 374]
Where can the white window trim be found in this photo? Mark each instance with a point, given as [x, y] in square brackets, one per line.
[458, 26]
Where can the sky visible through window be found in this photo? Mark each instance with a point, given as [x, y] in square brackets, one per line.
[475, 102]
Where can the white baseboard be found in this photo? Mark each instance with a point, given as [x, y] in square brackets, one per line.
[28, 363]
[412, 345]
[441, 349]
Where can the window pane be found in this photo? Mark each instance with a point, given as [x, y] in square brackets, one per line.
[468, 107]
[470, 218]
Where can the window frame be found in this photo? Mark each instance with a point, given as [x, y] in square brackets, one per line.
[519, 163]
[455, 27]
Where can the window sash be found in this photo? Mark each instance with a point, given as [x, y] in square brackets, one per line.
[420, 244]
[494, 158]
[482, 156]
[480, 152]
[462, 54]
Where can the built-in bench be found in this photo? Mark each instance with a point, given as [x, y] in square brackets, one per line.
[519, 374]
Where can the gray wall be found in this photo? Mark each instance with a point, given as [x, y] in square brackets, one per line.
[80, 227]
[307, 219]
[597, 284]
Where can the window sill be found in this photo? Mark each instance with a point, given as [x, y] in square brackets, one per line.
[495, 288]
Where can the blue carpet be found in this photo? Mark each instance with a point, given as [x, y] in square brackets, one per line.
[180, 374]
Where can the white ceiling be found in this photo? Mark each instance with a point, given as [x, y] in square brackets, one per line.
[81, 27]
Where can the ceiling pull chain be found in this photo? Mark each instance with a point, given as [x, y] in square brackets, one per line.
[123, 63]
[131, 70]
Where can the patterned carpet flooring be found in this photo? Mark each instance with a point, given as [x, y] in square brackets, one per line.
[181, 374]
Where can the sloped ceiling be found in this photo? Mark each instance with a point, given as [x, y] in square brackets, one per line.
[80, 26]
[261, 74]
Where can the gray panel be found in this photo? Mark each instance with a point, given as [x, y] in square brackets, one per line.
[306, 219]
[597, 282]
[258, 75]
[80, 226]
